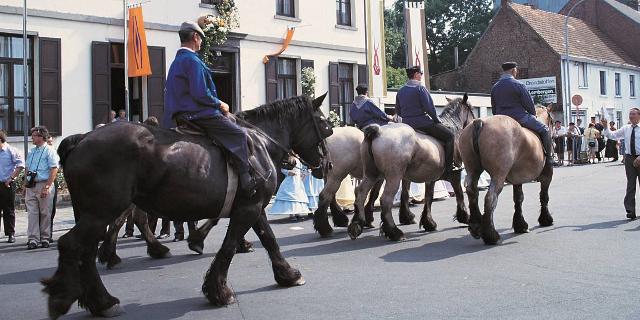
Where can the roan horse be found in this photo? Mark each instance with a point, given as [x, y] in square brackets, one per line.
[179, 177]
[396, 152]
[344, 145]
[509, 153]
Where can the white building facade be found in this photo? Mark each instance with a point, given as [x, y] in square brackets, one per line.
[609, 86]
[77, 57]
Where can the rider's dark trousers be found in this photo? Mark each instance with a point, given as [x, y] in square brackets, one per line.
[444, 134]
[231, 136]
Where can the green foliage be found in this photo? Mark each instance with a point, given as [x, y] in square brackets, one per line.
[334, 119]
[450, 23]
[308, 82]
[396, 77]
[216, 28]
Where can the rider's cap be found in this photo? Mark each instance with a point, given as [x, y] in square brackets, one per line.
[191, 26]
[413, 70]
[509, 65]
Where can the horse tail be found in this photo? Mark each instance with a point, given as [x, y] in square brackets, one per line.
[477, 128]
[67, 145]
[370, 132]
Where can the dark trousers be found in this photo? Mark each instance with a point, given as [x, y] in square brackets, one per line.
[632, 180]
[600, 148]
[7, 208]
[231, 136]
[179, 226]
[128, 227]
[153, 222]
[442, 133]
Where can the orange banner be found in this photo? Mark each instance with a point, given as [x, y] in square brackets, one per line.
[138, 54]
[285, 45]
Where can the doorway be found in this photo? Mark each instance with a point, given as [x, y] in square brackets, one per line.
[224, 77]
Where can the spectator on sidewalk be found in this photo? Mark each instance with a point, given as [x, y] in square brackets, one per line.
[11, 165]
[291, 198]
[56, 185]
[573, 136]
[558, 133]
[600, 139]
[179, 226]
[591, 135]
[611, 149]
[578, 140]
[42, 168]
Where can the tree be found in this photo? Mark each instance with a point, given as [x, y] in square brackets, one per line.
[450, 23]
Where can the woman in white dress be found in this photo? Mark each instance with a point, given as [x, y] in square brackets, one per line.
[291, 197]
[313, 187]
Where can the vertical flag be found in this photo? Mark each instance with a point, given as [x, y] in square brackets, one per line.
[138, 54]
[376, 61]
[416, 37]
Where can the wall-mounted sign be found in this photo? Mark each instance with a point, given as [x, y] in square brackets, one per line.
[542, 90]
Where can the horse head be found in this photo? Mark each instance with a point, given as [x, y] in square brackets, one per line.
[458, 113]
[309, 138]
[543, 114]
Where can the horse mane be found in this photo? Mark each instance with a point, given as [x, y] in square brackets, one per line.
[450, 116]
[280, 110]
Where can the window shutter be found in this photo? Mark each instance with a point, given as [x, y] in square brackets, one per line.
[271, 76]
[50, 85]
[156, 82]
[363, 75]
[334, 85]
[100, 82]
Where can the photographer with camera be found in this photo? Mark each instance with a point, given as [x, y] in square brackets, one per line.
[42, 168]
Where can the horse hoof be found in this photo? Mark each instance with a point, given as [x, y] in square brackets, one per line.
[369, 225]
[407, 218]
[545, 220]
[474, 230]
[491, 237]
[113, 311]
[340, 220]
[245, 247]
[462, 216]
[158, 251]
[521, 229]
[321, 225]
[113, 261]
[354, 230]
[196, 247]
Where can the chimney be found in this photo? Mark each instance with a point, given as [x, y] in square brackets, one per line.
[455, 57]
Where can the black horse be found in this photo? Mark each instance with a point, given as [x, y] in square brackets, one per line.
[179, 177]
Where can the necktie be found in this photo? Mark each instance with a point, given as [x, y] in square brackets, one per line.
[633, 141]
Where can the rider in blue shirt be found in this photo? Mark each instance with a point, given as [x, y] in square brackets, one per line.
[191, 94]
[364, 111]
[509, 97]
[415, 106]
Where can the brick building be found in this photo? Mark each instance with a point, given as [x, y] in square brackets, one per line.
[603, 64]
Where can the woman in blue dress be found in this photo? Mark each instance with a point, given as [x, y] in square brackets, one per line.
[313, 187]
[291, 197]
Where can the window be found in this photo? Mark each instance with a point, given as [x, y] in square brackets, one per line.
[603, 83]
[582, 75]
[523, 73]
[343, 10]
[617, 84]
[345, 81]
[285, 8]
[632, 85]
[12, 93]
[287, 84]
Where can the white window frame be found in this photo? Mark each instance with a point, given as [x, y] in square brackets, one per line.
[583, 75]
[632, 86]
[600, 73]
[296, 12]
[617, 85]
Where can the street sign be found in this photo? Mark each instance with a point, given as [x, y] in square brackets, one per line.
[577, 100]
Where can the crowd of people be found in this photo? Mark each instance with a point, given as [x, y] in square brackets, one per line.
[585, 145]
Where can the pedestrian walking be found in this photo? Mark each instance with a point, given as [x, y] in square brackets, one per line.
[591, 135]
[42, 168]
[291, 198]
[11, 164]
[611, 149]
[631, 135]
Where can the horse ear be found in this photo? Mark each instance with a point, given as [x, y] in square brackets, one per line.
[465, 98]
[317, 102]
[448, 99]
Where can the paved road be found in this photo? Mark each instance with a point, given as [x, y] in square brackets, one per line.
[585, 266]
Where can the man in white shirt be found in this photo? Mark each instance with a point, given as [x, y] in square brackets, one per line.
[631, 135]
[558, 134]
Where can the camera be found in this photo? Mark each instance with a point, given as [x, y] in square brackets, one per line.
[30, 179]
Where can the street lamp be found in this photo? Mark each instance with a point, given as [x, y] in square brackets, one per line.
[567, 98]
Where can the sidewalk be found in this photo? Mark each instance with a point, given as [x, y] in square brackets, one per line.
[62, 221]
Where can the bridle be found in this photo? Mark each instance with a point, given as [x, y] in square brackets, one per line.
[289, 151]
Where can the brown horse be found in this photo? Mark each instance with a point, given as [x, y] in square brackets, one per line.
[509, 153]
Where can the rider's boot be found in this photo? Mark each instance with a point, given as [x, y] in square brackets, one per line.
[548, 148]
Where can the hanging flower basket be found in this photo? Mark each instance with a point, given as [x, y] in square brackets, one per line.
[217, 27]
